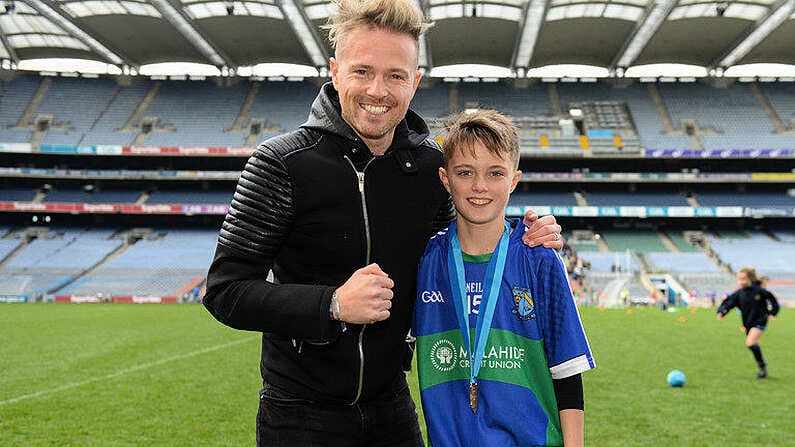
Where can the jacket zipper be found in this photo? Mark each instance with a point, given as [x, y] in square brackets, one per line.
[360, 177]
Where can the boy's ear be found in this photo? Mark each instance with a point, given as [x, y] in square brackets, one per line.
[516, 176]
[444, 179]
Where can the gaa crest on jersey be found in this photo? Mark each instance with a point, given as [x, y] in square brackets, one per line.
[523, 306]
[443, 356]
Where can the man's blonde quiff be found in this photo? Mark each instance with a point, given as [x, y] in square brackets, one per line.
[398, 16]
[495, 131]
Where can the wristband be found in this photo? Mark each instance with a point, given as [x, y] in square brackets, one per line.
[335, 307]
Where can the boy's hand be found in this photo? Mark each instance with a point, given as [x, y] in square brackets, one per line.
[542, 231]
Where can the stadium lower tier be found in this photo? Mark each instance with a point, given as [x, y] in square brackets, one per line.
[607, 266]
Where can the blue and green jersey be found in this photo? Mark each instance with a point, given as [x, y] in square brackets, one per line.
[536, 335]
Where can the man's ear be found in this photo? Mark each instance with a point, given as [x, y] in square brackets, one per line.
[417, 78]
[444, 179]
[334, 66]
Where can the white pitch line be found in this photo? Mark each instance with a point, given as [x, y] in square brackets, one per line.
[121, 372]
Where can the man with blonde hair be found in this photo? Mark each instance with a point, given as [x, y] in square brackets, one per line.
[340, 210]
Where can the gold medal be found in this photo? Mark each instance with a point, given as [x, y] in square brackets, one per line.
[473, 396]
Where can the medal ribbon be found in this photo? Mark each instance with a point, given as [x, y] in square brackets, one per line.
[491, 290]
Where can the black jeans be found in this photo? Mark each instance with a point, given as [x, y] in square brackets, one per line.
[284, 420]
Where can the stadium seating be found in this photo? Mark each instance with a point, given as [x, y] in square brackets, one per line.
[109, 128]
[609, 198]
[164, 264]
[191, 113]
[52, 261]
[79, 196]
[7, 246]
[633, 240]
[681, 262]
[71, 108]
[16, 194]
[92, 112]
[607, 262]
[189, 196]
[17, 95]
[530, 101]
[733, 198]
[755, 251]
[283, 105]
[732, 112]
[195, 113]
[782, 98]
[541, 198]
[434, 101]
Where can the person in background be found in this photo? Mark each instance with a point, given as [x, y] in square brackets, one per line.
[757, 306]
[340, 211]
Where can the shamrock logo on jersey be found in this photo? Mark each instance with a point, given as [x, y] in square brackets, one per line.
[523, 308]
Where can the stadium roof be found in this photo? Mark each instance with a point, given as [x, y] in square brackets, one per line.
[516, 34]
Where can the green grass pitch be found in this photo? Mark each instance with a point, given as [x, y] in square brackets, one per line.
[170, 375]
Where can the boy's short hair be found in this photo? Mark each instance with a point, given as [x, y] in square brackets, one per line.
[494, 130]
[399, 16]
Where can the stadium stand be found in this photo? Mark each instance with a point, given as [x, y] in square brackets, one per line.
[755, 251]
[728, 118]
[163, 263]
[733, 198]
[7, 246]
[110, 127]
[516, 102]
[282, 106]
[634, 240]
[16, 194]
[54, 259]
[195, 113]
[191, 196]
[433, 100]
[92, 196]
[548, 198]
[16, 99]
[63, 98]
[611, 198]
[781, 97]
[679, 241]
[681, 262]
[242, 113]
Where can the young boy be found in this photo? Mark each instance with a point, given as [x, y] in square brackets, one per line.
[508, 307]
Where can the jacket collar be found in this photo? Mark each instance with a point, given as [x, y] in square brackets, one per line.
[325, 116]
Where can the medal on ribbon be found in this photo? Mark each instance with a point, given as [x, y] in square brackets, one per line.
[491, 291]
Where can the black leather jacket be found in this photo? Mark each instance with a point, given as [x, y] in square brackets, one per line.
[314, 205]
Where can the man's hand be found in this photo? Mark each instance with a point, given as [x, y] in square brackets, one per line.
[366, 296]
[542, 231]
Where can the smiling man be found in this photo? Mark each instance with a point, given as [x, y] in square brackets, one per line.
[340, 211]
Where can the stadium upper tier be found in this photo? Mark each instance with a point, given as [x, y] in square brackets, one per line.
[553, 117]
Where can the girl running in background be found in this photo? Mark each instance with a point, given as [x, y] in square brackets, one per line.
[757, 305]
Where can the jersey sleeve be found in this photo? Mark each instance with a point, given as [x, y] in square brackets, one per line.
[565, 343]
